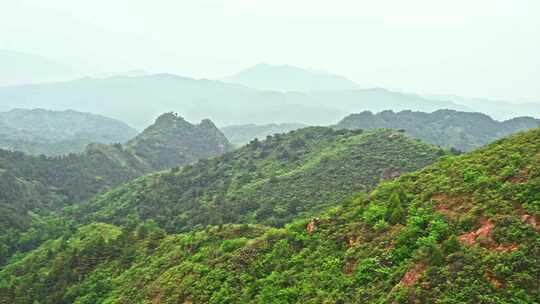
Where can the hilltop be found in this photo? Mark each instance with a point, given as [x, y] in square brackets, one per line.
[52, 133]
[446, 128]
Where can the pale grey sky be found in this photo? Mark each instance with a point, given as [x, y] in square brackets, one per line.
[476, 48]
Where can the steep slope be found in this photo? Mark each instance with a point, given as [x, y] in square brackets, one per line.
[446, 128]
[51, 133]
[242, 134]
[464, 230]
[34, 187]
[290, 78]
[270, 182]
[136, 100]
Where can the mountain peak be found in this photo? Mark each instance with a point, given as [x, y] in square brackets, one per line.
[290, 78]
[169, 119]
[179, 141]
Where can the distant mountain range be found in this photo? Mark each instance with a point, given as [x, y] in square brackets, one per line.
[48, 132]
[136, 99]
[290, 78]
[446, 128]
[262, 94]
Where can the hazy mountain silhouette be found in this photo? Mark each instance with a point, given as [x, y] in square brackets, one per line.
[136, 100]
[290, 78]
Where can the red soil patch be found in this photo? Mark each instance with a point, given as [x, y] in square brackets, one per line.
[493, 280]
[506, 247]
[412, 275]
[531, 220]
[483, 231]
[312, 225]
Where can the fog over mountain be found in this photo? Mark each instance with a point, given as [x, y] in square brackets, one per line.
[136, 100]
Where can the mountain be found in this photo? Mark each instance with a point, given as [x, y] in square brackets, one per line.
[446, 128]
[34, 187]
[242, 134]
[172, 141]
[271, 181]
[463, 230]
[51, 133]
[136, 99]
[498, 109]
[290, 78]
[22, 68]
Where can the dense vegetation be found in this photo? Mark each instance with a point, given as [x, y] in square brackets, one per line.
[171, 141]
[269, 182]
[242, 134]
[446, 128]
[31, 187]
[58, 133]
[464, 230]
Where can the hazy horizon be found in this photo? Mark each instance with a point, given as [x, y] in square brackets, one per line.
[472, 49]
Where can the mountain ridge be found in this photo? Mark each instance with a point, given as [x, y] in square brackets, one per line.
[40, 131]
[446, 128]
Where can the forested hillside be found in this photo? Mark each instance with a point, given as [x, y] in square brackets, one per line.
[445, 128]
[58, 132]
[269, 182]
[34, 186]
[242, 134]
[463, 230]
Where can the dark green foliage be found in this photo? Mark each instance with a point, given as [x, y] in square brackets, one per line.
[446, 128]
[270, 182]
[337, 257]
[33, 187]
